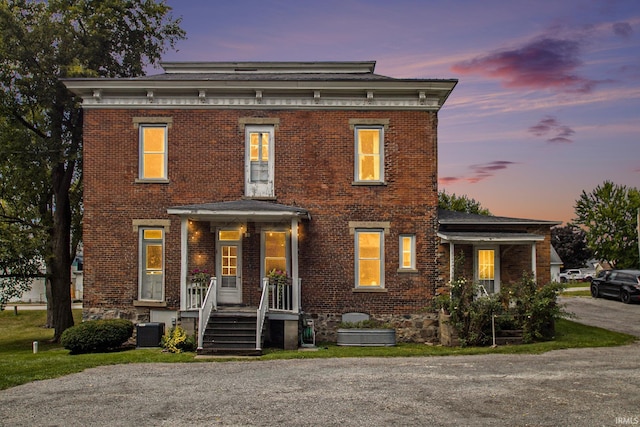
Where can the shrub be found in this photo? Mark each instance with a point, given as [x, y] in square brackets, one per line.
[177, 341]
[97, 336]
[534, 309]
[519, 305]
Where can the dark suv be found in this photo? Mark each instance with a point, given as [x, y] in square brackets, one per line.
[622, 284]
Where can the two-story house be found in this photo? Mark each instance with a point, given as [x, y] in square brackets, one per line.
[322, 175]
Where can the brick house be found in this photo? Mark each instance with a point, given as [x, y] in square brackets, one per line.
[324, 171]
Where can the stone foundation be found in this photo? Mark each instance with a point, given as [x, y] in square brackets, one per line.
[133, 314]
[417, 328]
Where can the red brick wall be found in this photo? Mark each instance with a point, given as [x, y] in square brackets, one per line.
[314, 158]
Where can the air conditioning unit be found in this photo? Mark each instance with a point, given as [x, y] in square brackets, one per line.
[149, 334]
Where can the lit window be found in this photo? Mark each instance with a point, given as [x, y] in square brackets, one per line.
[259, 168]
[486, 269]
[407, 252]
[369, 258]
[229, 235]
[151, 264]
[275, 251]
[369, 154]
[153, 152]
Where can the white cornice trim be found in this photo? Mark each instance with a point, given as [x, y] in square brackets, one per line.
[310, 102]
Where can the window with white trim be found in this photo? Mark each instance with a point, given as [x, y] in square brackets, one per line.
[369, 154]
[487, 269]
[153, 152]
[259, 161]
[407, 252]
[369, 254]
[151, 264]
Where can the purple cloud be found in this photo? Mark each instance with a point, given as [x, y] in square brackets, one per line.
[622, 29]
[546, 63]
[479, 172]
[557, 133]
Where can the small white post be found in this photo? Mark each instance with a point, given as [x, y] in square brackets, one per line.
[493, 329]
[35, 347]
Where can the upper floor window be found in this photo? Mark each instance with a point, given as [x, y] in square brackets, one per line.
[153, 151]
[259, 164]
[369, 154]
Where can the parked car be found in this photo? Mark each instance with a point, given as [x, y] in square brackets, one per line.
[622, 284]
[576, 275]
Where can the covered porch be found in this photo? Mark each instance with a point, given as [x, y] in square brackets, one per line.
[240, 257]
[491, 258]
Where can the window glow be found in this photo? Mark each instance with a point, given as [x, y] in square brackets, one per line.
[486, 264]
[368, 152]
[153, 147]
[275, 251]
[230, 235]
[369, 258]
[152, 264]
[407, 251]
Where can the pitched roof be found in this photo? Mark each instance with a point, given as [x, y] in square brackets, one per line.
[239, 209]
[310, 85]
[462, 218]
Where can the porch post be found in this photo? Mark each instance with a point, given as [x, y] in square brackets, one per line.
[452, 262]
[294, 265]
[184, 257]
[533, 261]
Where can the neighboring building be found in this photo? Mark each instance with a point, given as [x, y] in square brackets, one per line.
[323, 170]
[556, 265]
[37, 293]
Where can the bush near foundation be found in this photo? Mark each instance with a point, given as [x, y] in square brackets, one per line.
[97, 336]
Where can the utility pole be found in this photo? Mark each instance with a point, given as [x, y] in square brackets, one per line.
[638, 229]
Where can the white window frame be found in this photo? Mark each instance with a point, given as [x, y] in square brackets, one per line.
[141, 155]
[496, 266]
[357, 233]
[412, 253]
[263, 248]
[259, 189]
[381, 162]
[142, 262]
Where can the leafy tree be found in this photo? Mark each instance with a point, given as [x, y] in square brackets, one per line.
[609, 213]
[42, 43]
[571, 244]
[20, 254]
[460, 204]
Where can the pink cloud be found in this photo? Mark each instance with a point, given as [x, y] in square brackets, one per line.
[550, 126]
[478, 173]
[546, 63]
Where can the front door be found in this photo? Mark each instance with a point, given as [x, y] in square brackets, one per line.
[229, 267]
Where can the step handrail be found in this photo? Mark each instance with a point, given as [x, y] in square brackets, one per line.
[209, 304]
[261, 312]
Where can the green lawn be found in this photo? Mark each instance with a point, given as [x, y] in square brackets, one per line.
[19, 365]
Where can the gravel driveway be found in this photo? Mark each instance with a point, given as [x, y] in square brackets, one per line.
[576, 387]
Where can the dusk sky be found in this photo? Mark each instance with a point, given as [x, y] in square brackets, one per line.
[548, 99]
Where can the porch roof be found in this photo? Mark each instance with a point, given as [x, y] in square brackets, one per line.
[256, 210]
[481, 237]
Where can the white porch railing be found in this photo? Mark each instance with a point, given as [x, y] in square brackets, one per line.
[261, 312]
[284, 295]
[195, 294]
[209, 304]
